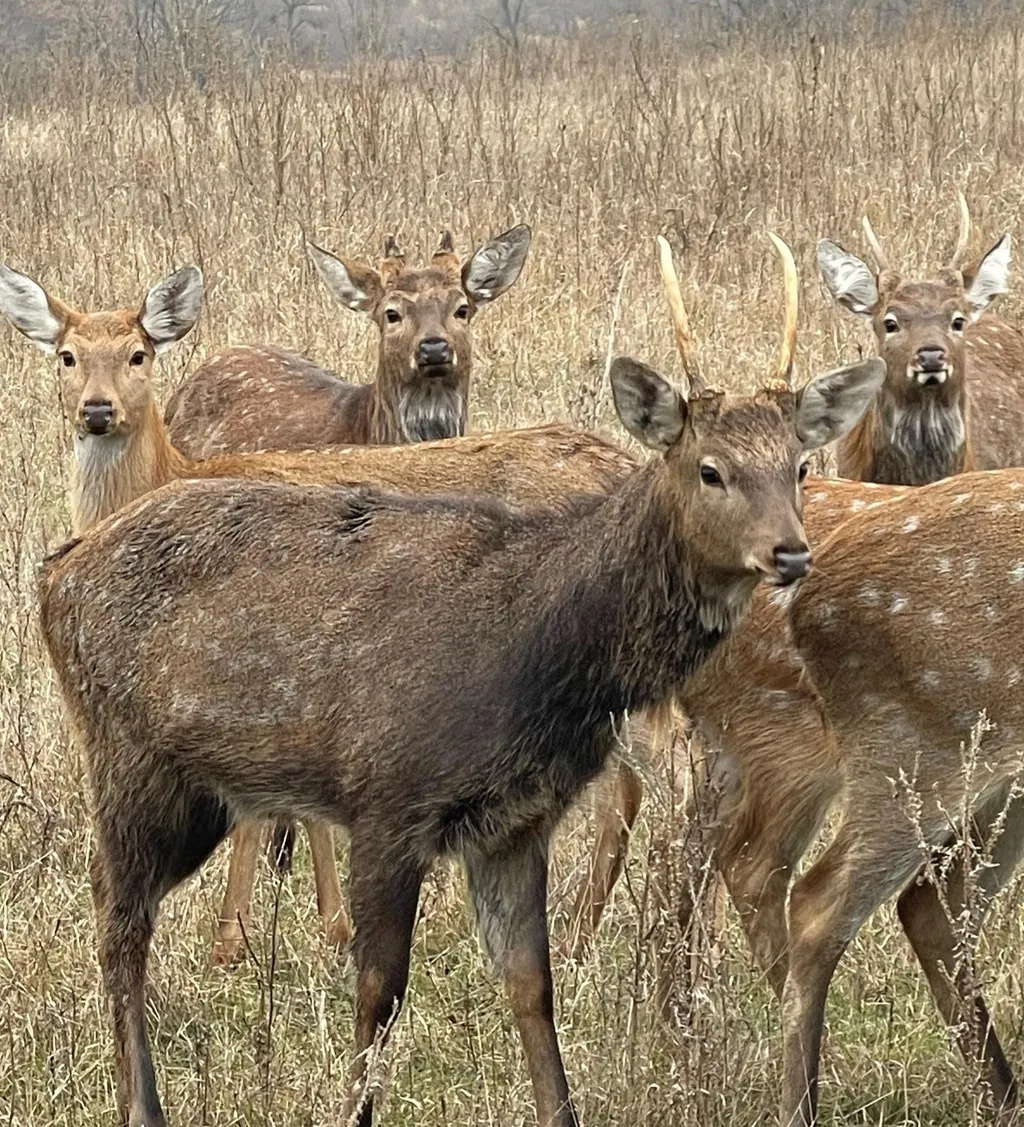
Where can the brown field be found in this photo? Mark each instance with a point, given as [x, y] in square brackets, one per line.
[599, 144]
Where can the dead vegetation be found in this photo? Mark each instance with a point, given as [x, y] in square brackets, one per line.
[110, 177]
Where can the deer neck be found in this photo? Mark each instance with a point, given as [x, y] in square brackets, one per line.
[630, 614]
[420, 412]
[111, 471]
[917, 442]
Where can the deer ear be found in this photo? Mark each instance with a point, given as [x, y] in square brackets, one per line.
[988, 277]
[31, 310]
[650, 408]
[849, 280]
[354, 284]
[494, 268]
[834, 403]
[171, 308]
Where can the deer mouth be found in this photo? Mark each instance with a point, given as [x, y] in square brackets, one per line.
[435, 371]
[929, 377]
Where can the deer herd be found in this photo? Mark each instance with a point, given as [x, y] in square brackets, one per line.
[290, 599]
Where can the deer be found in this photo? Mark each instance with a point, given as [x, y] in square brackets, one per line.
[122, 451]
[908, 631]
[464, 669]
[953, 398]
[265, 398]
[951, 369]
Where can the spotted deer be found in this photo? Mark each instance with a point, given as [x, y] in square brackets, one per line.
[268, 399]
[122, 451]
[439, 675]
[910, 629]
[953, 397]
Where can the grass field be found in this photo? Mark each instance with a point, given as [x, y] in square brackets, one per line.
[599, 144]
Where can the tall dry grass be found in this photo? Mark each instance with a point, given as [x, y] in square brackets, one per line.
[110, 177]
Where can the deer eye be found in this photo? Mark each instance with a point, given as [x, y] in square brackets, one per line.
[137, 359]
[959, 323]
[392, 316]
[891, 325]
[462, 312]
[709, 475]
[67, 359]
[803, 471]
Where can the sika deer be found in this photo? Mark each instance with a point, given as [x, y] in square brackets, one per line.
[459, 686]
[904, 658]
[122, 451]
[269, 399]
[953, 398]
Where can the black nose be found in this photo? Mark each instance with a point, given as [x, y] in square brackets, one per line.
[930, 359]
[434, 352]
[792, 563]
[97, 416]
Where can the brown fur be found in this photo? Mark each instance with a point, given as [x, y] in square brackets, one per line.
[269, 399]
[953, 398]
[905, 656]
[435, 674]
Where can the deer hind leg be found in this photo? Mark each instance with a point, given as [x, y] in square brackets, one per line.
[337, 929]
[927, 923]
[508, 888]
[383, 901]
[616, 806]
[132, 870]
[236, 908]
[870, 859]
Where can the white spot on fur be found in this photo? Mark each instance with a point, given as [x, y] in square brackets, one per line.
[930, 678]
[899, 604]
[856, 506]
[937, 617]
[1017, 572]
[944, 565]
[911, 524]
[1013, 677]
[960, 498]
[819, 497]
[870, 594]
[971, 567]
[981, 667]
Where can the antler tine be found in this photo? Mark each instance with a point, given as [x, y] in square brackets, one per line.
[446, 245]
[876, 247]
[391, 248]
[964, 235]
[680, 322]
[394, 259]
[787, 350]
[445, 257]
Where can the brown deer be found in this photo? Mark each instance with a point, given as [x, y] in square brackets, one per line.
[909, 629]
[953, 398]
[122, 451]
[456, 687]
[269, 399]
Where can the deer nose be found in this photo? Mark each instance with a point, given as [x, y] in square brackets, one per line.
[792, 562]
[434, 352]
[930, 360]
[97, 415]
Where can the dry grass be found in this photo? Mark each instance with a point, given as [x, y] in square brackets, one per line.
[599, 144]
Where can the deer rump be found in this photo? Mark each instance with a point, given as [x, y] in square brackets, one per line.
[324, 654]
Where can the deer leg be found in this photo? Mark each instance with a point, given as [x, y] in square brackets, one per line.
[616, 806]
[828, 905]
[236, 908]
[383, 900]
[328, 885]
[508, 888]
[927, 923]
[137, 861]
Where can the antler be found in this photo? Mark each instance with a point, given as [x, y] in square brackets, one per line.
[787, 350]
[876, 247]
[680, 322]
[394, 259]
[445, 257]
[964, 236]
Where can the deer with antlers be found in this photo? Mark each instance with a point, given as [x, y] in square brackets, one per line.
[460, 682]
[269, 399]
[953, 398]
